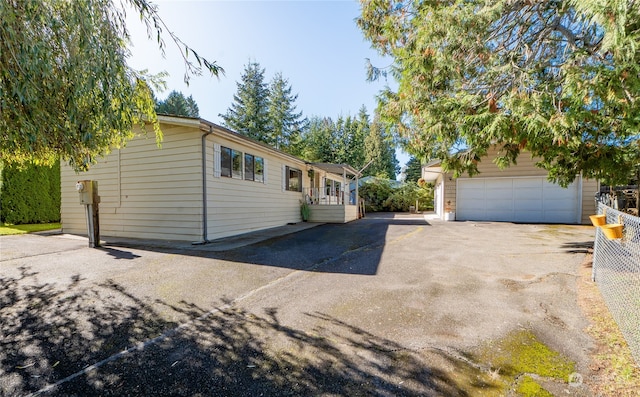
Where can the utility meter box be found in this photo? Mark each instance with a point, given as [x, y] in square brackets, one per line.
[85, 191]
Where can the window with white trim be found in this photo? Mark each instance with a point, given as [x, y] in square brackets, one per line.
[293, 181]
[258, 170]
[253, 168]
[230, 162]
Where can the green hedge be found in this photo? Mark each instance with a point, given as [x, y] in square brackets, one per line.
[30, 194]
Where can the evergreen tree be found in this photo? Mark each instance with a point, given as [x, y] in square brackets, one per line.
[177, 104]
[356, 143]
[285, 125]
[414, 170]
[249, 112]
[320, 144]
[378, 149]
[341, 135]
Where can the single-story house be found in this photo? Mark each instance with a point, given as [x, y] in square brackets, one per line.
[519, 193]
[205, 182]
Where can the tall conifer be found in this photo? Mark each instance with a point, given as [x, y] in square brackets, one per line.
[249, 112]
[378, 149]
[177, 104]
[285, 124]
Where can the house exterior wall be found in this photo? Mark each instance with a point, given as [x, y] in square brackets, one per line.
[145, 191]
[525, 167]
[174, 193]
[238, 206]
[589, 189]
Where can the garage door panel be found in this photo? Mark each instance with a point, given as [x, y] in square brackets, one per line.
[472, 194]
[526, 199]
[535, 183]
[529, 205]
[499, 194]
[499, 205]
[527, 193]
[558, 205]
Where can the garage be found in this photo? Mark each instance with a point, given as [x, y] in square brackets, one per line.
[518, 199]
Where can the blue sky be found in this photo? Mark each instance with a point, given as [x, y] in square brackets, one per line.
[316, 45]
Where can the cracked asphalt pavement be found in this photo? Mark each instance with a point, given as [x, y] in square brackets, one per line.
[388, 305]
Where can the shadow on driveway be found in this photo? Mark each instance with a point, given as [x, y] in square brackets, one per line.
[55, 335]
[316, 249]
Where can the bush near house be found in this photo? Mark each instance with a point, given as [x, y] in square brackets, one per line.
[380, 196]
[30, 194]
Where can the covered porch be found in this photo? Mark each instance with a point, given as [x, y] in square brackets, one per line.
[329, 196]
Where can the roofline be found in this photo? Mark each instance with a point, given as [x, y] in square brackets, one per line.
[345, 167]
[206, 125]
[433, 163]
[179, 120]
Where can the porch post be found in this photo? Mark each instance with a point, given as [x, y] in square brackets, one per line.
[345, 187]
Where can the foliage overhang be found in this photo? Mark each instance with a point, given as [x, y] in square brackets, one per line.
[557, 78]
[66, 90]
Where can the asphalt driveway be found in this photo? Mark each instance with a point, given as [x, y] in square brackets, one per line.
[387, 305]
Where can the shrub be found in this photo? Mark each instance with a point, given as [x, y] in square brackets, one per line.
[379, 196]
[30, 194]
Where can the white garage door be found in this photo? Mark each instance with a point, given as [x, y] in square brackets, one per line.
[531, 199]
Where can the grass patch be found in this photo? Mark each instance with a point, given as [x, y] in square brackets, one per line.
[528, 387]
[510, 366]
[6, 230]
[519, 354]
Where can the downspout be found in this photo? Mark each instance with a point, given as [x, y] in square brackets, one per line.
[205, 225]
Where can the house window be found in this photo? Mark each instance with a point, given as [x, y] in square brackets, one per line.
[236, 158]
[294, 179]
[258, 169]
[249, 163]
[230, 162]
[225, 161]
[253, 168]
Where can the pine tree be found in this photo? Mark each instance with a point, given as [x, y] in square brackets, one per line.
[177, 104]
[249, 113]
[285, 125]
[360, 131]
[320, 144]
[414, 170]
[378, 149]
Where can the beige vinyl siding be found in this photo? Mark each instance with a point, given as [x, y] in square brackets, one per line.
[333, 213]
[589, 189]
[449, 194]
[146, 192]
[238, 206]
[525, 166]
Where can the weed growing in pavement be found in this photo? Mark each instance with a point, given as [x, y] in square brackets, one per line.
[519, 354]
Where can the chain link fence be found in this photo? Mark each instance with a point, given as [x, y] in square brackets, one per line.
[616, 271]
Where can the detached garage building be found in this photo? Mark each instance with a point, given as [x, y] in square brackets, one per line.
[520, 193]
